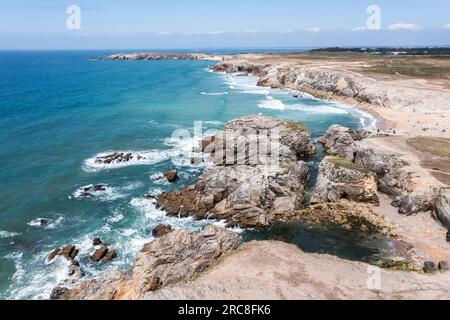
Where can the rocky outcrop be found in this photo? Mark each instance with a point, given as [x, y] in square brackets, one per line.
[442, 209]
[342, 179]
[173, 258]
[387, 169]
[316, 80]
[161, 230]
[117, 157]
[356, 217]
[171, 176]
[152, 56]
[248, 185]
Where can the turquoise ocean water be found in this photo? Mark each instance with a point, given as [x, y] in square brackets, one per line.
[58, 110]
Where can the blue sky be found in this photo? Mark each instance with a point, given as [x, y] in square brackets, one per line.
[139, 24]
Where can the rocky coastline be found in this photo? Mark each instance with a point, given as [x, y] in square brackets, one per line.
[354, 180]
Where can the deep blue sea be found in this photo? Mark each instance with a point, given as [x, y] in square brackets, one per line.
[58, 110]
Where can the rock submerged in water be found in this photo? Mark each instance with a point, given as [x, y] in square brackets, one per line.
[117, 157]
[171, 176]
[96, 242]
[173, 258]
[248, 188]
[99, 254]
[69, 252]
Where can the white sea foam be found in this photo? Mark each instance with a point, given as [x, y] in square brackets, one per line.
[322, 109]
[108, 194]
[8, 234]
[139, 158]
[272, 103]
[52, 223]
[117, 217]
[214, 93]
[36, 283]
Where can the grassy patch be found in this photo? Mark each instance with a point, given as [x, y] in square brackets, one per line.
[341, 163]
[296, 126]
[398, 266]
[410, 67]
[436, 146]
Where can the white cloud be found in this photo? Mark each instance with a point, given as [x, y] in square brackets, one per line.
[251, 31]
[204, 33]
[313, 30]
[165, 33]
[287, 31]
[447, 26]
[403, 26]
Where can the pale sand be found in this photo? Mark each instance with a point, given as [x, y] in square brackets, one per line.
[271, 270]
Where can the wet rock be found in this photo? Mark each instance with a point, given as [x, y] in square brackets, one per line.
[96, 242]
[110, 255]
[69, 252]
[75, 271]
[429, 267]
[171, 176]
[117, 157]
[161, 230]
[54, 254]
[341, 179]
[43, 222]
[99, 254]
[173, 258]
[443, 266]
[58, 293]
[250, 184]
[442, 210]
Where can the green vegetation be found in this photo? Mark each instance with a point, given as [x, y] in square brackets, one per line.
[436, 146]
[398, 265]
[296, 126]
[409, 67]
[340, 163]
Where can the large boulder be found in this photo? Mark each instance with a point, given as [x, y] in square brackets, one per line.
[442, 208]
[342, 179]
[257, 176]
[173, 258]
[387, 168]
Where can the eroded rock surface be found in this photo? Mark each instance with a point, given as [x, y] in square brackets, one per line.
[388, 169]
[442, 210]
[342, 179]
[171, 259]
[253, 188]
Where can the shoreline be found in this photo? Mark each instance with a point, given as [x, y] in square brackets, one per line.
[381, 122]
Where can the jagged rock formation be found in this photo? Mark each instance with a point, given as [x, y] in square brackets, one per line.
[442, 210]
[356, 217]
[323, 82]
[153, 56]
[173, 258]
[257, 176]
[341, 179]
[387, 167]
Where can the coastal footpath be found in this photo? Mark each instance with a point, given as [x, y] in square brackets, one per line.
[392, 182]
